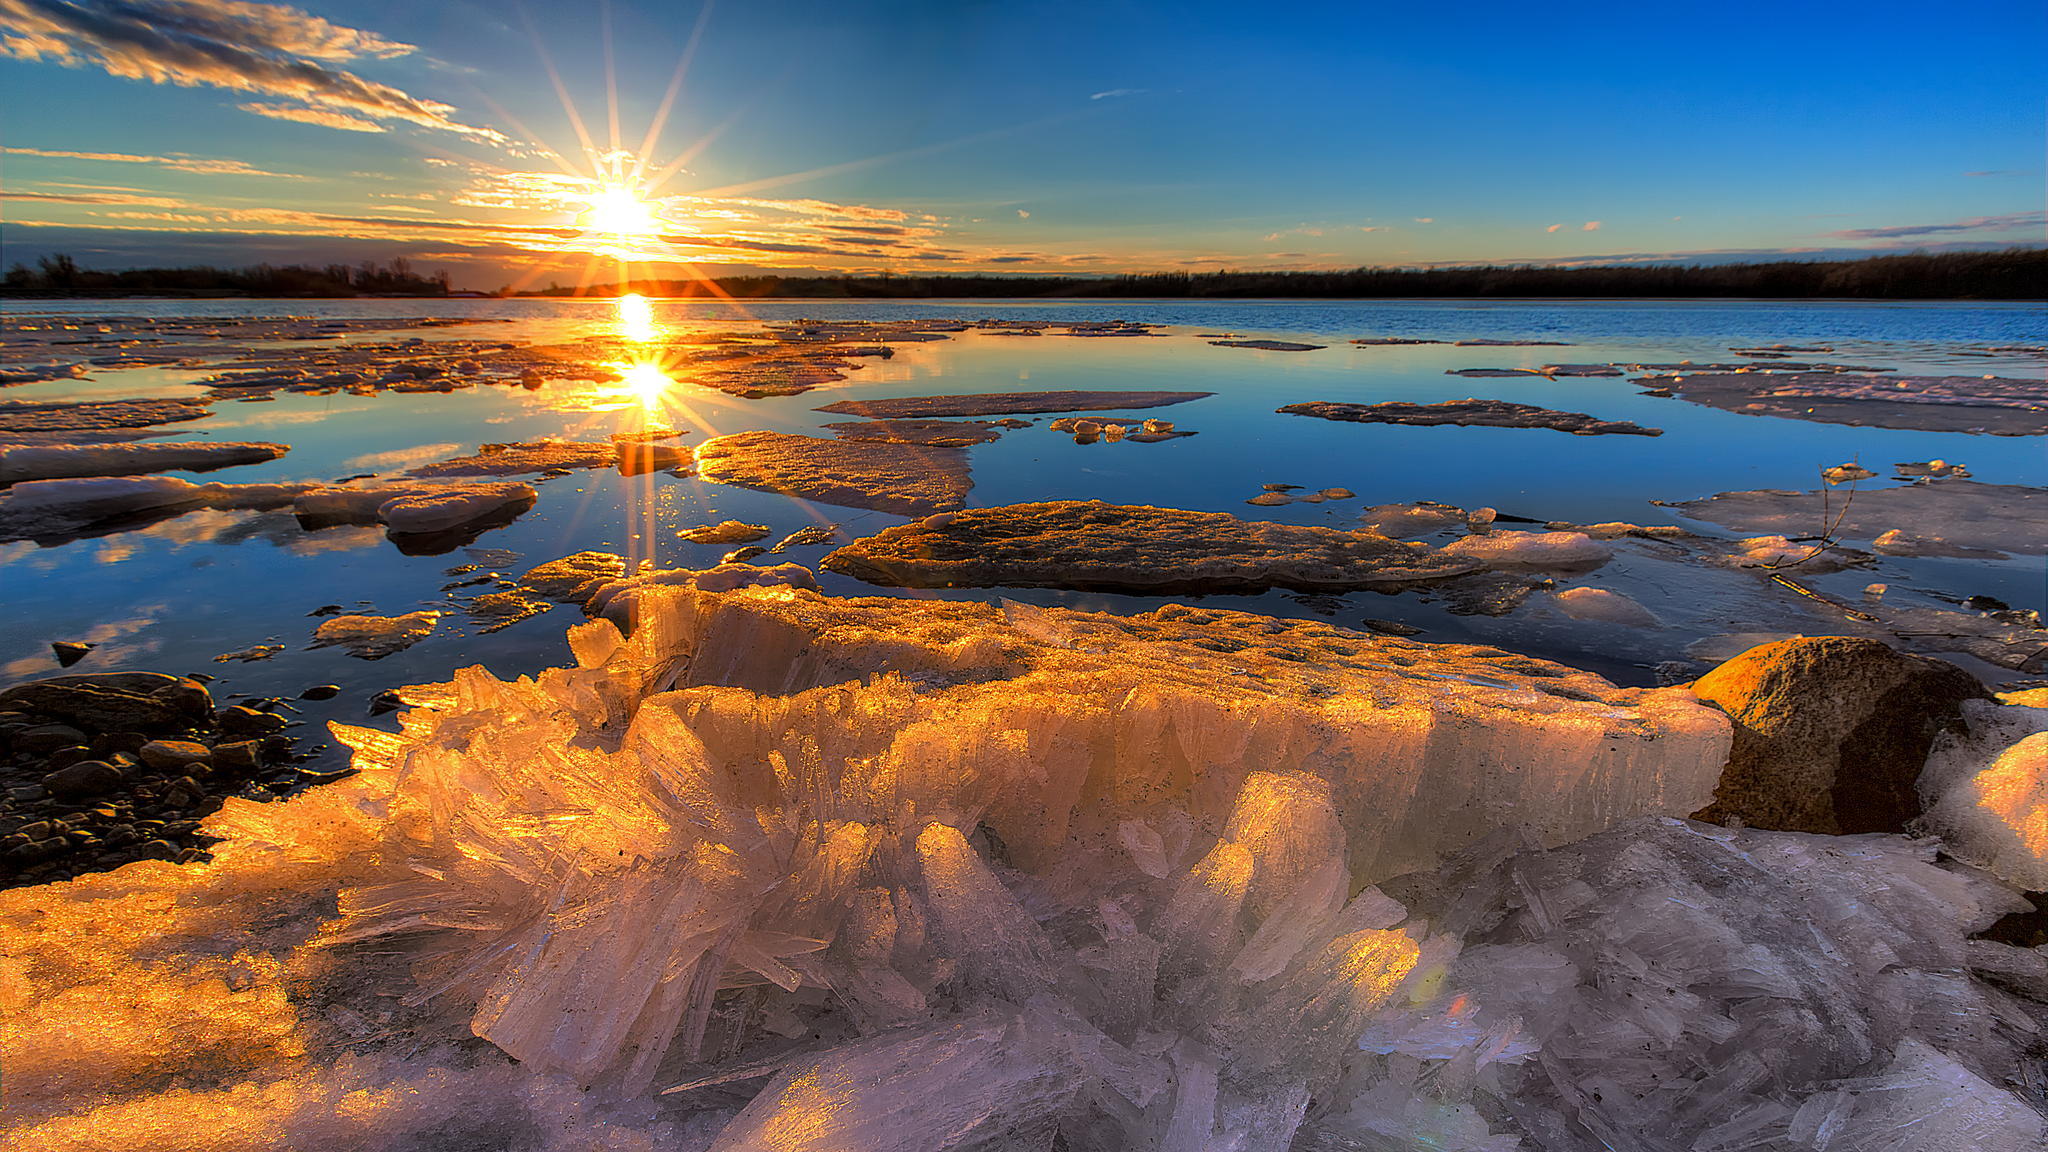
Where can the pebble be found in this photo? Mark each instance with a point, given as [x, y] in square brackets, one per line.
[321, 692]
[69, 652]
[166, 754]
[83, 780]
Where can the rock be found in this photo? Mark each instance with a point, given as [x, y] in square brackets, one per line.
[1268, 345]
[1007, 403]
[146, 701]
[373, 637]
[616, 600]
[46, 738]
[513, 459]
[2001, 406]
[724, 532]
[930, 433]
[907, 479]
[83, 780]
[1470, 412]
[1092, 545]
[69, 652]
[321, 692]
[66, 756]
[165, 754]
[574, 579]
[1831, 733]
[241, 722]
[637, 458]
[241, 754]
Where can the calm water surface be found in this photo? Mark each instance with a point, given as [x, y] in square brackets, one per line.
[177, 593]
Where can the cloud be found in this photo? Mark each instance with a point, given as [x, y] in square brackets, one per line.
[1425, 219]
[1364, 228]
[1590, 226]
[271, 50]
[95, 198]
[179, 217]
[325, 117]
[175, 161]
[1023, 215]
[1116, 93]
[1995, 173]
[2007, 223]
[401, 458]
[1553, 227]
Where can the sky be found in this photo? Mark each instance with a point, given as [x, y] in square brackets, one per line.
[520, 142]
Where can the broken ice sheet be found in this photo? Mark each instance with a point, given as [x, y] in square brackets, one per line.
[966, 887]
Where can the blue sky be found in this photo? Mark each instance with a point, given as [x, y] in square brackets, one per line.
[1022, 137]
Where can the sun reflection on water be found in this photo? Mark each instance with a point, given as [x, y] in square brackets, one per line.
[646, 382]
[636, 319]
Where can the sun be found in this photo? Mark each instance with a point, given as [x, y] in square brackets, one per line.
[619, 210]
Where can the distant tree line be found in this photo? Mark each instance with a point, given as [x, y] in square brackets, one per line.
[60, 275]
[2011, 274]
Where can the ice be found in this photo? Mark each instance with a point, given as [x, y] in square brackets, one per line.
[1922, 1102]
[1986, 791]
[1685, 987]
[420, 509]
[36, 508]
[905, 876]
[1546, 551]
[60, 461]
[1604, 606]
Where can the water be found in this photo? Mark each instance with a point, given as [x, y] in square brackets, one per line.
[176, 594]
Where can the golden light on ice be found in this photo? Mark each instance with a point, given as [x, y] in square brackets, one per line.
[636, 319]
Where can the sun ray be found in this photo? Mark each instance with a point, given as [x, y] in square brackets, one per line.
[668, 98]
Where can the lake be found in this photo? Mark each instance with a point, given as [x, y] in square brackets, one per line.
[177, 593]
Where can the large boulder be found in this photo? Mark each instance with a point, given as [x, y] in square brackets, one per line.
[1831, 733]
[115, 701]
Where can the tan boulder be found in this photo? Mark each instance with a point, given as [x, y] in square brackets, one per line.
[1831, 733]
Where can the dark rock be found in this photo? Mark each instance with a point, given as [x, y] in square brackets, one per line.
[166, 754]
[148, 701]
[1831, 733]
[109, 743]
[242, 722]
[83, 781]
[241, 754]
[69, 652]
[321, 692]
[67, 756]
[44, 739]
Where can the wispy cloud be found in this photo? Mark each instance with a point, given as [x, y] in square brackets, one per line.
[1023, 215]
[269, 49]
[1425, 219]
[176, 162]
[1553, 228]
[1590, 226]
[1115, 93]
[325, 117]
[95, 198]
[2008, 223]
